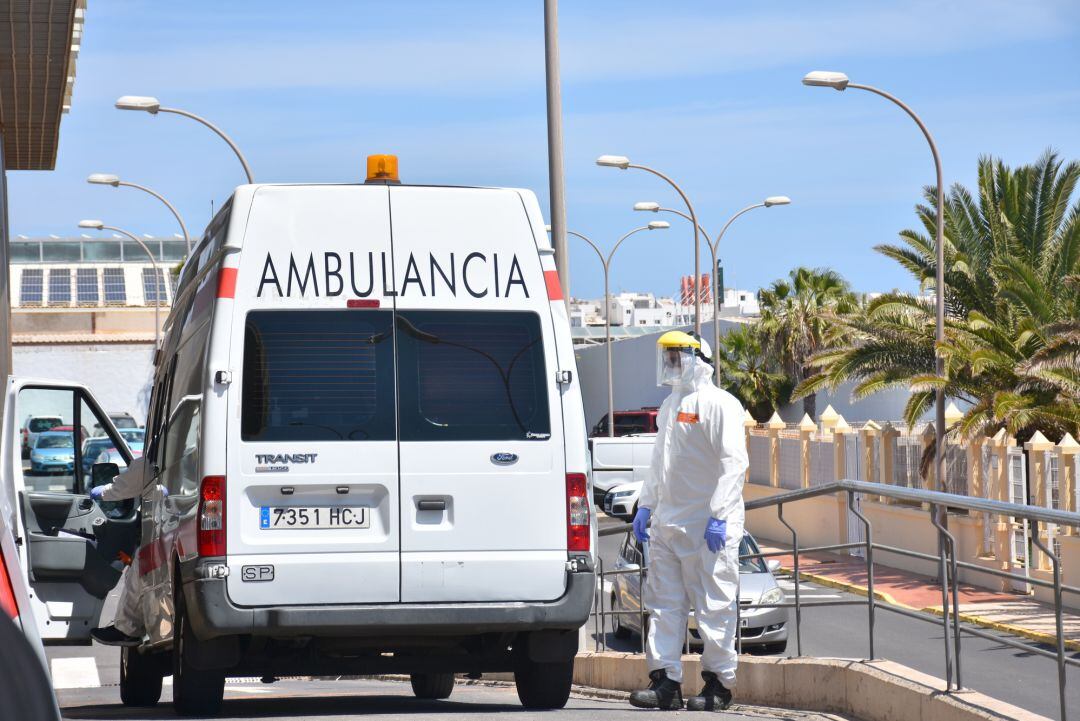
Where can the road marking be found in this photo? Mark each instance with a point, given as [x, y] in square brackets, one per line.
[79, 672]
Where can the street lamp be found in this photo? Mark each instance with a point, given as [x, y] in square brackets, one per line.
[153, 106]
[114, 181]
[606, 263]
[839, 81]
[714, 249]
[159, 280]
[622, 163]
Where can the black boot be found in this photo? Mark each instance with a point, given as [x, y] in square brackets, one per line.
[663, 693]
[713, 696]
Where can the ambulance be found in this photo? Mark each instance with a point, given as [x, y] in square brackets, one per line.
[367, 447]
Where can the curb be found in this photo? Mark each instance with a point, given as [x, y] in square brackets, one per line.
[1044, 638]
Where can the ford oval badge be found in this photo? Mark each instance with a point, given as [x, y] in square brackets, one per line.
[504, 459]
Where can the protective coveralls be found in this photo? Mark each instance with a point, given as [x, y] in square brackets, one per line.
[129, 618]
[698, 467]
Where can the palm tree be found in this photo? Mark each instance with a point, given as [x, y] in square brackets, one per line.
[749, 373]
[796, 316]
[1012, 336]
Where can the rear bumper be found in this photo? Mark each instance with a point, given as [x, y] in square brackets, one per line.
[213, 615]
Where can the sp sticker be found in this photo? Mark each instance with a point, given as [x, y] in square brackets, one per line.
[257, 573]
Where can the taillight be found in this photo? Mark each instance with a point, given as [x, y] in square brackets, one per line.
[577, 512]
[7, 592]
[211, 533]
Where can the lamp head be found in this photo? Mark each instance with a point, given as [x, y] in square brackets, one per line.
[777, 200]
[104, 179]
[826, 79]
[95, 224]
[658, 225]
[613, 161]
[138, 102]
[648, 205]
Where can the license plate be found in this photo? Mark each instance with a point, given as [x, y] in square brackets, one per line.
[273, 518]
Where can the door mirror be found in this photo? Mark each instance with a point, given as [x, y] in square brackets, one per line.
[102, 474]
[773, 564]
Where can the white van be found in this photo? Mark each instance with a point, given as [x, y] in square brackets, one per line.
[358, 386]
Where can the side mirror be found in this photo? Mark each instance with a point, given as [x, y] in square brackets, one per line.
[773, 564]
[102, 474]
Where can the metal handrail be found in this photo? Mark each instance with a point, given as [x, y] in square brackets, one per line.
[948, 570]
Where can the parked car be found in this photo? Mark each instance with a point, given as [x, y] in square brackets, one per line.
[765, 629]
[32, 426]
[123, 421]
[91, 448]
[621, 501]
[628, 423]
[134, 438]
[53, 452]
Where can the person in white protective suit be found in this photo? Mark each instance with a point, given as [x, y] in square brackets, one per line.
[127, 628]
[693, 498]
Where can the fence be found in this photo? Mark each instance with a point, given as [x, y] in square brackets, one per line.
[935, 505]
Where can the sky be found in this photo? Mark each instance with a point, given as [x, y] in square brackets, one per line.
[707, 92]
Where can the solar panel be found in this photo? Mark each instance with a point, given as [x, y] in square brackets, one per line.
[59, 286]
[113, 284]
[31, 288]
[153, 293]
[86, 286]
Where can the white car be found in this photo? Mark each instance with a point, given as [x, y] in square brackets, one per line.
[357, 385]
[622, 500]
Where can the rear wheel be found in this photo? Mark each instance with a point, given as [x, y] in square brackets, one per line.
[140, 678]
[195, 692]
[544, 686]
[432, 685]
[617, 626]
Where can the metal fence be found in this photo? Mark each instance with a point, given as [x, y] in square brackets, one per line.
[760, 450]
[907, 451]
[822, 462]
[790, 462]
[946, 561]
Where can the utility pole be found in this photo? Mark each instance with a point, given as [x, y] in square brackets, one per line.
[556, 184]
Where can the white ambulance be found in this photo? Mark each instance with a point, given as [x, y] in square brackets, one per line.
[358, 388]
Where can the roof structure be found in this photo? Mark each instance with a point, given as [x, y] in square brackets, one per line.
[39, 44]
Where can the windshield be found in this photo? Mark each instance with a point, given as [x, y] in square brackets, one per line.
[39, 425]
[132, 435]
[60, 440]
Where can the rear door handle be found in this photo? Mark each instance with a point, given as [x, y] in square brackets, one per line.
[431, 505]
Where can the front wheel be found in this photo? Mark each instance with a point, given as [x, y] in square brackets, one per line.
[618, 627]
[196, 692]
[544, 686]
[140, 678]
[434, 686]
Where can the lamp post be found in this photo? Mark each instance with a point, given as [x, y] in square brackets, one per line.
[159, 279]
[153, 106]
[622, 163]
[606, 263]
[114, 181]
[714, 249]
[839, 81]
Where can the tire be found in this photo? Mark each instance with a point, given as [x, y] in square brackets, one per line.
[140, 678]
[617, 626]
[195, 692]
[544, 686]
[435, 686]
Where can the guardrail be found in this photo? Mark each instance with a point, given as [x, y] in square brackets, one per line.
[936, 504]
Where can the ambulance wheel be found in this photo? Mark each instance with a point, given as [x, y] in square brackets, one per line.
[544, 686]
[195, 692]
[140, 678]
[432, 685]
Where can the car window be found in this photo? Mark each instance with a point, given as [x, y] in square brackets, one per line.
[472, 375]
[626, 424]
[124, 422]
[750, 565]
[318, 375]
[40, 425]
[60, 440]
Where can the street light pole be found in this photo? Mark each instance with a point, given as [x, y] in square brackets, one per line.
[556, 180]
[114, 181]
[159, 278]
[622, 162]
[839, 81]
[606, 263]
[153, 106]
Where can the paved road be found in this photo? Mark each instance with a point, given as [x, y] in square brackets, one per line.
[1024, 679]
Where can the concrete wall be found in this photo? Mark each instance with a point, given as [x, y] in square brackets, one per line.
[118, 374]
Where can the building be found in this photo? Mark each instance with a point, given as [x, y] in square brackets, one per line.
[83, 310]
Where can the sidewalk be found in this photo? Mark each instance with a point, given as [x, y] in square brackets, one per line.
[1008, 612]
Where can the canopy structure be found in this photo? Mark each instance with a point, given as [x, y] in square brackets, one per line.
[39, 44]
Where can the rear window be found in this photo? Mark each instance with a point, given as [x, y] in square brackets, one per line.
[124, 422]
[318, 375]
[472, 375]
[39, 425]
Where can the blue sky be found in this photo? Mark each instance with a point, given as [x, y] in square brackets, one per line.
[708, 92]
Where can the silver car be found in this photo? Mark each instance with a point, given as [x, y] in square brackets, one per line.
[763, 629]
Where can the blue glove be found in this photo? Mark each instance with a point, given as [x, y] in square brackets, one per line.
[96, 492]
[716, 534]
[641, 524]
